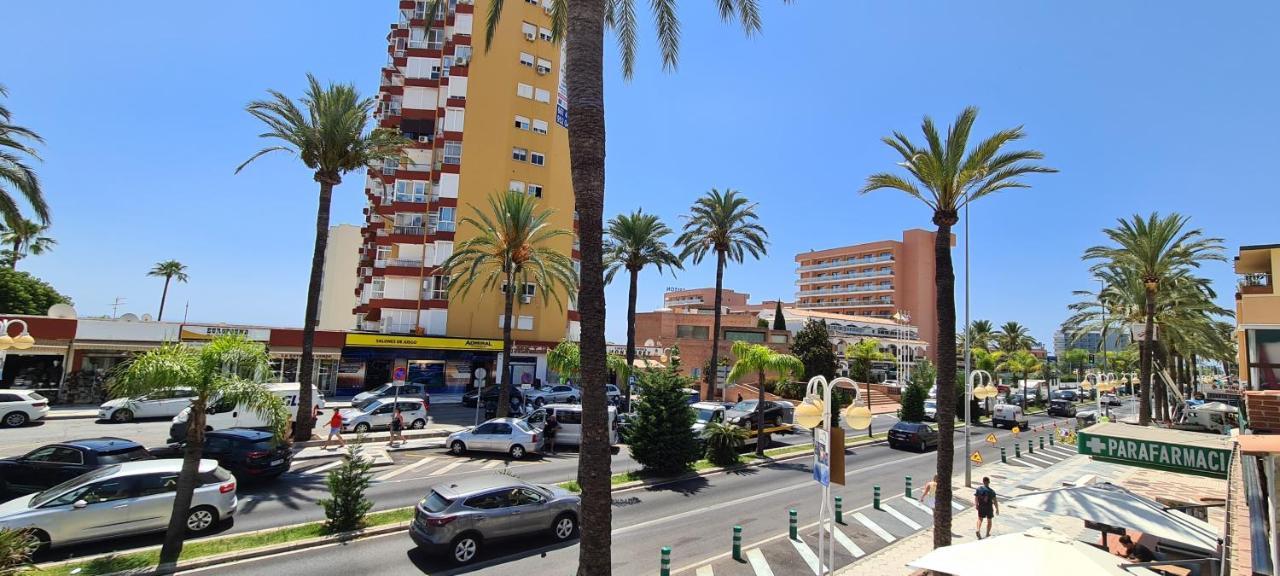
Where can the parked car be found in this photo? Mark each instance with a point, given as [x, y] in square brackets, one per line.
[569, 416]
[1068, 395]
[247, 453]
[164, 404]
[1009, 416]
[1014, 400]
[121, 500]
[221, 414]
[744, 414]
[916, 435]
[490, 393]
[931, 410]
[1062, 407]
[57, 463]
[377, 413]
[513, 436]
[612, 393]
[1111, 400]
[388, 390]
[560, 393]
[458, 517]
[17, 407]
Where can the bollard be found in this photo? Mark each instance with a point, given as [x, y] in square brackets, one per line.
[908, 487]
[737, 542]
[1017, 450]
[1051, 436]
[1003, 457]
[875, 499]
[795, 535]
[1031, 449]
[839, 510]
[666, 561]
[1042, 443]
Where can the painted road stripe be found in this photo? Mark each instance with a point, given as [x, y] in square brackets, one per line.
[957, 505]
[407, 467]
[1064, 451]
[323, 468]
[917, 504]
[1040, 460]
[493, 464]
[705, 571]
[901, 517]
[809, 557]
[758, 564]
[872, 526]
[446, 469]
[848, 544]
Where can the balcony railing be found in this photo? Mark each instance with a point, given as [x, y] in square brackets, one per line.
[847, 262]
[845, 276]
[1256, 283]
[417, 198]
[398, 328]
[405, 262]
[415, 230]
[876, 288]
[445, 226]
[847, 304]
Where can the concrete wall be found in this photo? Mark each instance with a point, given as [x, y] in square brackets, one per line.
[337, 289]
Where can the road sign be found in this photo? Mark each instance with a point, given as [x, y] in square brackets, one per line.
[398, 374]
[991, 439]
[976, 457]
[1015, 431]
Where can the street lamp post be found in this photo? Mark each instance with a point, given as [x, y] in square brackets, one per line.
[22, 341]
[813, 414]
[981, 392]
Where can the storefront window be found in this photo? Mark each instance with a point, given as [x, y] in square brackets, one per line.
[1264, 359]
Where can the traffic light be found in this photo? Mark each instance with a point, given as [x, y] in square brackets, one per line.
[1091, 358]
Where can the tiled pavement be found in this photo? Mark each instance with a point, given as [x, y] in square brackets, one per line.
[898, 527]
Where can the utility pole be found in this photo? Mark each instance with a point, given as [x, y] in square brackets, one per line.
[115, 306]
[185, 310]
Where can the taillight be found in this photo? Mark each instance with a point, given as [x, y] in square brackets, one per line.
[438, 521]
[228, 487]
[535, 438]
[39, 404]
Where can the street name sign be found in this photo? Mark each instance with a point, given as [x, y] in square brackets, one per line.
[1157, 448]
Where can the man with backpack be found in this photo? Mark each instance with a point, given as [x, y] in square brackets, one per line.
[984, 500]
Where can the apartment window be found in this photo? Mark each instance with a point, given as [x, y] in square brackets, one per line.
[452, 152]
[544, 34]
[417, 37]
[540, 126]
[541, 95]
[544, 66]
[520, 322]
[522, 123]
[736, 335]
[530, 31]
[516, 186]
[526, 59]
[377, 288]
[693, 332]
[462, 51]
[445, 223]
[534, 2]
[529, 289]
[519, 154]
[524, 90]
[435, 39]
[383, 253]
[535, 190]
[537, 159]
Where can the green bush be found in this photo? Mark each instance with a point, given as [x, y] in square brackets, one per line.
[16, 547]
[347, 506]
[661, 437]
[723, 442]
[913, 397]
[790, 389]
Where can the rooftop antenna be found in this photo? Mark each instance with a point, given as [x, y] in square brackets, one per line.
[115, 306]
[186, 309]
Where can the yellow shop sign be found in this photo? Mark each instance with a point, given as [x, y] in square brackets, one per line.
[392, 341]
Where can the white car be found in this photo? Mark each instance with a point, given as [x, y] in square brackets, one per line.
[121, 500]
[513, 436]
[163, 404]
[612, 393]
[388, 390]
[377, 413]
[931, 410]
[549, 394]
[17, 407]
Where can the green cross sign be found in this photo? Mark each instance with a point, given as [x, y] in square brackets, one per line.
[1185, 457]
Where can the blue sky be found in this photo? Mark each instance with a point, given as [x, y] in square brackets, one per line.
[141, 104]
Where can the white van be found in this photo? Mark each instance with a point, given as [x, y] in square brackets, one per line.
[569, 416]
[222, 415]
[1008, 416]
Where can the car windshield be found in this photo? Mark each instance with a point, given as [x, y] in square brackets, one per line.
[44, 497]
[131, 455]
[521, 424]
[381, 389]
[35, 396]
[367, 404]
[931, 404]
[434, 502]
[705, 414]
[745, 406]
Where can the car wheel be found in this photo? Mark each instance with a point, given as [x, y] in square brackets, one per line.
[517, 451]
[42, 540]
[457, 448]
[362, 428]
[418, 424]
[923, 447]
[893, 445]
[122, 415]
[573, 399]
[201, 519]
[15, 419]
[538, 402]
[565, 527]
[464, 548]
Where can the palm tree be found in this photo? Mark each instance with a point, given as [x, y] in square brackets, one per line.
[863, 353]
[981, 334]
[24, 237]
[15, 173]
[227, 369]
[723, 223]
[945, 176]
[762, 360]
[512, 248]
[1013, 337]
[1075, 359]
[635, 241]
[326, 130]
[1021, 363]
[1158, 251]
[170, 270]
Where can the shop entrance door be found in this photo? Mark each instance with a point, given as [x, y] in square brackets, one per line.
[377, 373]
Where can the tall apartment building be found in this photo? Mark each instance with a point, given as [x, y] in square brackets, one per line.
[876, 279]
[481, 121]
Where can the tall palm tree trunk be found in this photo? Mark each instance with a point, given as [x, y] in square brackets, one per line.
[176, 533]
[163, 296]
[1195, 373]
[504, 383]
[760, 416]
[1144, 362]
[631, 337]
[713, 375]
[944, 278]
[585, 74]
[304, 421]
[13, 264]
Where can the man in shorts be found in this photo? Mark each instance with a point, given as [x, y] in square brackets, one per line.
[985, 500]
[335, 430]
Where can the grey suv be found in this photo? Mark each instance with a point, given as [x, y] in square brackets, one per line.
[459, 517]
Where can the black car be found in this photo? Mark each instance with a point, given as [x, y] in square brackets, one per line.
[54, 464]
[247, 453]
[1062, 407]
[1069, 395]
[490, 393]
[744, 414]
[914, 435]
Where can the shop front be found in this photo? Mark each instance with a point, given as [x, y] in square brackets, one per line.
[41, 366]
[102, 346]
[448, 366]
[284, 348]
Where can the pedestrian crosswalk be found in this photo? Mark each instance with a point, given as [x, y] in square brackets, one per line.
[410, 465]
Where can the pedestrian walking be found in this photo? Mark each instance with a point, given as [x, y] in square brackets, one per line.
[335, 430]
[985, 499]
[397, 428]
[929, 495]
[549, 432]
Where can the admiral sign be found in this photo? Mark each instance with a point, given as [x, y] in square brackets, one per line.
[390, 341]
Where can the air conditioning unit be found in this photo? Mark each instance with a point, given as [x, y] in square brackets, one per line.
[399, 53]
[461, 61]
[526, 298]
[543, 71]
[424, 139]
[547, 9]
[529, 36]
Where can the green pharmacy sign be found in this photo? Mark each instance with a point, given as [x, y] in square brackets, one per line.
[1160, 449]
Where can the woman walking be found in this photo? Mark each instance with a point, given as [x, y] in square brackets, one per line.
[397, 427]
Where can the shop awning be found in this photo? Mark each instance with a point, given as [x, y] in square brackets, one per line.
[1157, 448]
[289, 351]
[116, 346]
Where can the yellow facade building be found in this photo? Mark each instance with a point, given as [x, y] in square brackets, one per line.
[1258, 316]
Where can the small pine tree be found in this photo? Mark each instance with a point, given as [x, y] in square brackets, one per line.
[662, 438]
[779, 322]
[346, 507]
[812, 346]
[913, 397]
[673, 358]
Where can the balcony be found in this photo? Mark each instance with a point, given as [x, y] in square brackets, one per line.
[846, 262]
[445, 226]
[415, 198]
[404, 262]
[846, 276]
[849, 303]
[414, 230]
[398, 328]
[1256, 283]
[874, 288]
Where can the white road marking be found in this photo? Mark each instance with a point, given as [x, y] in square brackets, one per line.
[322, 468]
[900, 516]
[848, 544]
[446, 469]
[1040, 460]
[704, 571]
[956, 505]
[1064, 451]
[406, 468]
[809, 557]
[917, 504]
[872, 526]
[758, 564]
[493, 464]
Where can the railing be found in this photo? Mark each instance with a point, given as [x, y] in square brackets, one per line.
[380, 263]
[415, 230]
[876, 288]
[847, 304]
[1256, 283]
[845, 276]
[847, 262]
[398, 328]
[405, 262]
[417, 198]
[445, 226]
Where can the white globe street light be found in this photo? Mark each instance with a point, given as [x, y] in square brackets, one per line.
[813, 414]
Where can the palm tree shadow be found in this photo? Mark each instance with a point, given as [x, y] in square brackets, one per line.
[688, 487]
[295, 493]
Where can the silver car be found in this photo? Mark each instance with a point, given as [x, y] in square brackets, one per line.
[457, 518]
[549, 394]
[121, 500]
[511, 435]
